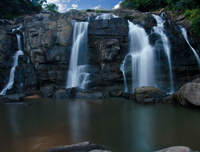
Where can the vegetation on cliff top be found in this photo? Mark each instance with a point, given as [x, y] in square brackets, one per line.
[191, 8]
[12, 8]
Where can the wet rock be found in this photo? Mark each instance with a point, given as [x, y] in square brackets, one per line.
[61, 94]
[148, 95]
[189, 94]
[72, 92]
[17, 104]
[126, 95]
[176, 149]
[115, 93]
[114, 26]
[169, 99]
[83, 146]
[95, 95]
[12, 98]
[47, 91]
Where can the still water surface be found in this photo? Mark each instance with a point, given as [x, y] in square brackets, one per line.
[123, 125]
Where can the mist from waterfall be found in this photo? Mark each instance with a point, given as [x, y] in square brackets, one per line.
[159, 29]
[77, 75]
[10, 83]
[142, 58]
[184, 33]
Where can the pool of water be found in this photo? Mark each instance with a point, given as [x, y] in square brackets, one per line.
[121, 124]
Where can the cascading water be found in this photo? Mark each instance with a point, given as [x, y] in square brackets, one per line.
[77, 75]
[184, 33]
[15, 63]
[159, 29]
[105, 17]
[142, 56]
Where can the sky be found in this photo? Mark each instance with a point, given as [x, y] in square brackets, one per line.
[65, 5]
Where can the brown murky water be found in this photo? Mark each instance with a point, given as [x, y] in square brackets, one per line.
[121, 124]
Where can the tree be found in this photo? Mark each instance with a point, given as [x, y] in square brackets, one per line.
[51, 7]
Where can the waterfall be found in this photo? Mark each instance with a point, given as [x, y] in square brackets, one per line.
[159, 29]
[184, 33]
[15, 63]
[77, 74]
[142, 55]
[105, 17]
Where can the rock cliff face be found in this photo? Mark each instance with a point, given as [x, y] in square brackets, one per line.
[47, 41]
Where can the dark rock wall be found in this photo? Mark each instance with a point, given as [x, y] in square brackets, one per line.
[47, 41]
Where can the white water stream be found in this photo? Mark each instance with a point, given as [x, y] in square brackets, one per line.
[184, 33]
[77, 75]
[15, 63]
[142, 55]
[159, 29]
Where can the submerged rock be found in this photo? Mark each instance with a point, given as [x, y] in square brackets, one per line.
[82, 146]
[189, 94]
[148, 95]
[95, 95]
[12, 98]
[61, 94]
[176, 149]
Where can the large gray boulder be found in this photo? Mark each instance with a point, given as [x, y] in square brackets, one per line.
[176, 149]
[148, 94]
[189, 94]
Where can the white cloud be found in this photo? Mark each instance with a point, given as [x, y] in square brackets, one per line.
[74, 6]
[97, 7]
[117, 6]
[62, 8]
[54, 1]
[68, 1]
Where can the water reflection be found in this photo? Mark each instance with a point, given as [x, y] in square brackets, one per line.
[78, 119]
[118, 123]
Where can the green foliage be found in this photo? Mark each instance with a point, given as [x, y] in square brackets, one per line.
[8, 16]
[195, 25]
[151, 5]
[51, 7]
[101, 11]
[46, 46]
[194, 16]
[143, 5]
[12, 8]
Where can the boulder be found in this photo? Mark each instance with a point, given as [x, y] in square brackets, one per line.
[115, 93]
[189, 94]
[61, 94]
[126, 95]
[72, 92]
[95, 95]
[47, 91]
[148, 94]
[169, 99]
[176, 149]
